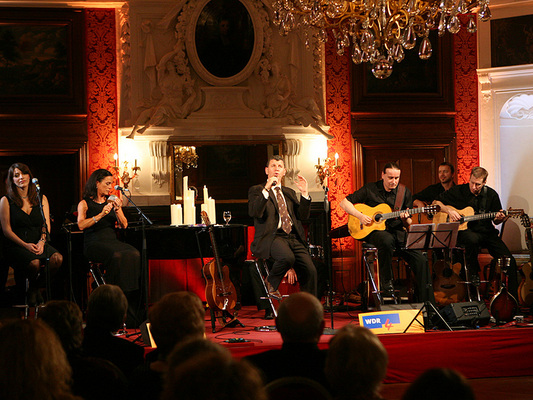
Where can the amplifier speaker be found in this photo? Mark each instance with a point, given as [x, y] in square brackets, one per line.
[467, 314]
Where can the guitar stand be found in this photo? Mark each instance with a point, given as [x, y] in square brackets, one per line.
[233, 322]
[225, 313]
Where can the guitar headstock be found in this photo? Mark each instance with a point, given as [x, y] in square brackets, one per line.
[205, 218]
[524, 219]
[432, 209]
[514, 212]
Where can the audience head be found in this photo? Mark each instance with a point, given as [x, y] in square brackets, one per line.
[356, 363]
[213, 376]
[99, 175]
[191, 348]
[66, 319]
[439, 384]
[176, 317]
[33, 364]
[106, 308]
[300, 318]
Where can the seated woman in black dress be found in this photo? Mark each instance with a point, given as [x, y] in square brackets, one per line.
[97, 217]
[26, 247]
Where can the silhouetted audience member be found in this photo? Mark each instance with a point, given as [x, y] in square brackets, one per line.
[194, 348]
[92, 377]
[213, 376]
[176, 317]
[300, 322]
[439, 384]
[106, 313]
[356, 364]
[33, 364]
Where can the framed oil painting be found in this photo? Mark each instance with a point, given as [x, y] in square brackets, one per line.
[41, 61]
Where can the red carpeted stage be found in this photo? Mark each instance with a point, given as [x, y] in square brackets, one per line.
[487, 352]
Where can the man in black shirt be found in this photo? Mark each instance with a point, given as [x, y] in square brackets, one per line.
[394, 236]
[426, 196]
[480, 233]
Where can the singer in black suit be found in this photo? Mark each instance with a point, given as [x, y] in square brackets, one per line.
[98, 213]
[278, 238]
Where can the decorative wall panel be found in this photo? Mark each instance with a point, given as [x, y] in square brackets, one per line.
[466, 103]
[101, 88]
[338, 118]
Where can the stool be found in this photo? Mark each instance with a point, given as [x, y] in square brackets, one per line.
[370, 260]
[96, 272]
[262, 272]
[468, 282]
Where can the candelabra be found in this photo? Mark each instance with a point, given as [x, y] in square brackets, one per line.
[125, 176]
[185, 155]
[326, 170]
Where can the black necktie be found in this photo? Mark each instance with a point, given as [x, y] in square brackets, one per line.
[284, 214]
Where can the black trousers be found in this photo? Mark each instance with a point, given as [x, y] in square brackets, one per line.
[288, 252]
[473, 242]
[387, 243]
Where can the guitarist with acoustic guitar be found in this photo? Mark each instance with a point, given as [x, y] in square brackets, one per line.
[480, 232]
[389, 237]
[426, 196]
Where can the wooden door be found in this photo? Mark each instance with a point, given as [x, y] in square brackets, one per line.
[419, 165]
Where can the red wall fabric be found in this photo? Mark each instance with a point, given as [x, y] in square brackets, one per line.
[466, 102]
[338, 117]
[102, 113]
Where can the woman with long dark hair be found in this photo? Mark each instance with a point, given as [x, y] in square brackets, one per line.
[23, 226]
[98, 213]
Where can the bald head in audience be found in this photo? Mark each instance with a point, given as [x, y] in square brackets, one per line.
[300, 318]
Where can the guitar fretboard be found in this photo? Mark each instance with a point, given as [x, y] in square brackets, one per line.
[396, 214]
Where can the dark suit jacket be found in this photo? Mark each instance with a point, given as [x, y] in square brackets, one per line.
[266, 217]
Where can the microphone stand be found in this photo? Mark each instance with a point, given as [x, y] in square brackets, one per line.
[68, 229]
[327, 255]
[144, 257]
[47, 233]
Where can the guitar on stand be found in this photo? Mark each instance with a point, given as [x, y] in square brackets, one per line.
[503, 306]
[525, 289]
[220, 293]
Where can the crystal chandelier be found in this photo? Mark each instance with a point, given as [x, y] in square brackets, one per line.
[377, 30]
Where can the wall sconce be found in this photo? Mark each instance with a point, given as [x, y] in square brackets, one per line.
[185, 155]
[328, 169]
[125, 175]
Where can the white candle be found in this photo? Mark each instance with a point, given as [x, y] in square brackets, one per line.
[206, 196]
[176, 216]
[212, 211]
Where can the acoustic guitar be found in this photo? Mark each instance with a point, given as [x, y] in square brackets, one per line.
[220, 293]
[379, 215]
[447, 285]
[468, 214]
[525, 289]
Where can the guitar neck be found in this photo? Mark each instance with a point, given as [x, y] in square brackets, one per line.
[477, 217]
[529, 242]
[396, 214]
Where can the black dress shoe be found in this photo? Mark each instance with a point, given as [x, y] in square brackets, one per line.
[269, 314]
[272, 293]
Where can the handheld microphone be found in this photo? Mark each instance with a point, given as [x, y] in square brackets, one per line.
[274, 182]
[111, 199]
[35, 181]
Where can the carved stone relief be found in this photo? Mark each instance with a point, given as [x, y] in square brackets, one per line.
[275, 81]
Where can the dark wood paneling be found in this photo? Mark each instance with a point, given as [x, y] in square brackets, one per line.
[418, 165]
[42, 134]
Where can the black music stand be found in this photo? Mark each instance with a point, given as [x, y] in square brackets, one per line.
[431, 236]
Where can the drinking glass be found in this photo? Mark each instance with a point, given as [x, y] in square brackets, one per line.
[227, 216]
